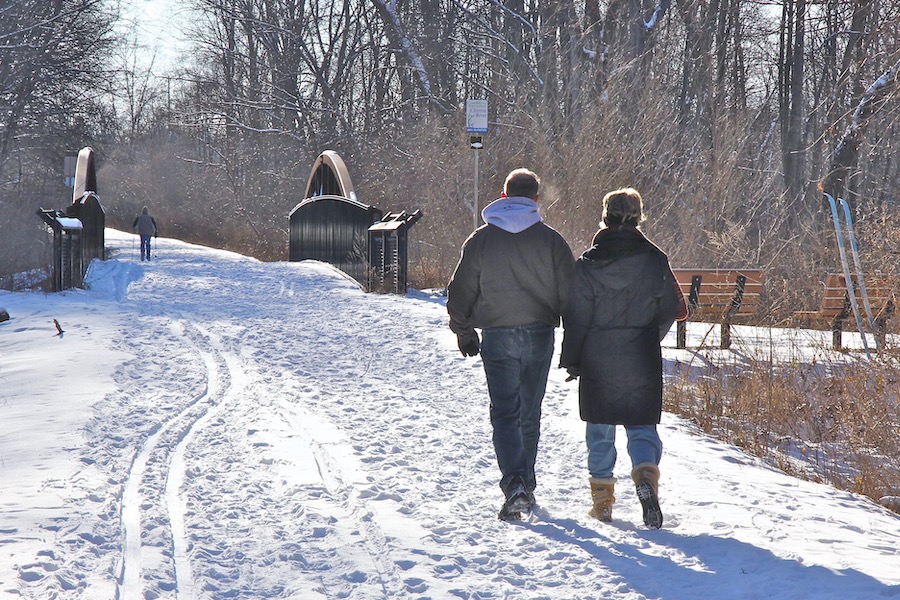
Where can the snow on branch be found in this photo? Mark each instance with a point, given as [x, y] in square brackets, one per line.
[875, 95]
[496, 35]
[518, 16]
[661, 7]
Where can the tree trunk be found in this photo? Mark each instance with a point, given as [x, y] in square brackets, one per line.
[791, 88]
[846, 153]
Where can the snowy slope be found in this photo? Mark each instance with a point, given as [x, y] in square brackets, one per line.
[210, 426]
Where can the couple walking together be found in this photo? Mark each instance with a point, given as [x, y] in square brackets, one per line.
[515, 278]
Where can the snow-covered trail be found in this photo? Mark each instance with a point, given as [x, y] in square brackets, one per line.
[276, 433]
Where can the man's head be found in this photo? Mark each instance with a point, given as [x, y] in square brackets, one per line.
[145, 211]
[522, 182]
[623, 207]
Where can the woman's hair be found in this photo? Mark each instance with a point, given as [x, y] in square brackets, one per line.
[623, 207]
[522, 182]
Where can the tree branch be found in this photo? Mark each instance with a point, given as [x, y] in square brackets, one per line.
[846, 152]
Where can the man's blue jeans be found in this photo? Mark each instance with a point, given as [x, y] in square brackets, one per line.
[516, 363]
[145, 247]
[644, 446]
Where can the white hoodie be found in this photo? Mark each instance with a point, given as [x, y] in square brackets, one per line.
[513, 214]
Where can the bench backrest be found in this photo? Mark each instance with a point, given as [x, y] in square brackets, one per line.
[882, 292]
[717, 292]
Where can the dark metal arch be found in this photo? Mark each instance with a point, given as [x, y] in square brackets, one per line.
[331, 225]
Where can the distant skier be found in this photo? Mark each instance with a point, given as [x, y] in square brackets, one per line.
[622, 302]
[511, 282]
[145, 226]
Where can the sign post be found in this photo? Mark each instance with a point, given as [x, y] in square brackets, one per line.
[476, 123]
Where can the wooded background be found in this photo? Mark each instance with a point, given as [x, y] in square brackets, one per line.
[729, 116]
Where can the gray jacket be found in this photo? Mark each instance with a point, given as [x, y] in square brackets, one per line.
[514, 270]
[145, 225]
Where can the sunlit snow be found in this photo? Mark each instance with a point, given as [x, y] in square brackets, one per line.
[212, 426]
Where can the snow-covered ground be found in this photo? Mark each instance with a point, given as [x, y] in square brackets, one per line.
[211, 426]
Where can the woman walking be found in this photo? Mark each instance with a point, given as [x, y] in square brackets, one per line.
[622, 301]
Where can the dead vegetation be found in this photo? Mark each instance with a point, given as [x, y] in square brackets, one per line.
[834, 421]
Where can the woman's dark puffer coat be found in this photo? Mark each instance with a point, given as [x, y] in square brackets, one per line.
[622, 301]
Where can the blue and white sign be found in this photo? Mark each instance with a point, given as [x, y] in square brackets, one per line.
[476, 116]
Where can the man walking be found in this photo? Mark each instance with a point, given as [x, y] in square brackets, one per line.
[145, 226]
[511, 282]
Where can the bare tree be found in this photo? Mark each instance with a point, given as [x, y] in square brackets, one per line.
[134, 93]
[52, 71]
[791, 96]
[50, 51]
[720, 111]
[846, 153]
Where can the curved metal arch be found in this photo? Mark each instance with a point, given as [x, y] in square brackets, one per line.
[329, 177]
[85, 174]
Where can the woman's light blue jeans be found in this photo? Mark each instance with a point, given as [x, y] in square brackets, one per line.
[644, 446]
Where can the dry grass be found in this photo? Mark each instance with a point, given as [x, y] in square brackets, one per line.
[832, 423]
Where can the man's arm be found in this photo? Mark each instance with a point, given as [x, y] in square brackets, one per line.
[462, 292]
[565, 265]
[463, 289]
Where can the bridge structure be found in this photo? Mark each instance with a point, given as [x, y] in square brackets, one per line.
[331, 225]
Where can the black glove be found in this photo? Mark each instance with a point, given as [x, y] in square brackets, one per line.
[574, 373]
[468, 344]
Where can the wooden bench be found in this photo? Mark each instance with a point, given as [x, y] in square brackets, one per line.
[721, 295]
[836, 307]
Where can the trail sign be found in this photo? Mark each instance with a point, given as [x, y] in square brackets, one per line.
[476, 116]
[476, 123]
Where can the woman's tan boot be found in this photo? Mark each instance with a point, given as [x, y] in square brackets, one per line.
[603, 497]
[646, 482]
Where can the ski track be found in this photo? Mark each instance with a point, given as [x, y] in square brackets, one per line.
[221, 554]
[184, 580]
[169, 439]
[335, 504]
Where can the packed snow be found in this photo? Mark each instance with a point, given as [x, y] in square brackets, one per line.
[211, 426]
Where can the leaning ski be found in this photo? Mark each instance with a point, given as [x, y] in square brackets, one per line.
[854, 249]
[848, 278]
